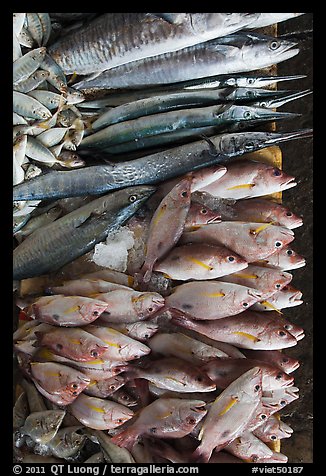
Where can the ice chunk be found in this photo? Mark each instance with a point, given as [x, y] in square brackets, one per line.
[113, 253]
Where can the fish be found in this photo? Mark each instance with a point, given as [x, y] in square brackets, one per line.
[230, 414]
[118, 346]
[20, 411]
[174, 374]
[37, 222]
[74, 55]
[141, 330]
[275, 357]
[27, 64]
[129, 305]
[68, 442]
[98, 413]
[85, 287]
[265, 19]
[73, 343]
[252, 241]
[184, 347]
[199, 262]
[273, 429]
[165, 416]
[172, 210]
[150, 169]
[43, 426]
[277, 317]
[58, 380]
[29, 107]
[285, 259]
[262, 210]
[211, 300]
[220, 116]
[200, 215]
[268, 281]
[105, 388]
[112, 453]
[287, 297]
[125, 398]
[234, 53]
[40, 254]
[224, 372]
[245, 331]
[68, 311]
[32, 82]
[251, 449]
[246, 179]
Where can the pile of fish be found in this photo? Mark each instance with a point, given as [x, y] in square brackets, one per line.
[176, 353]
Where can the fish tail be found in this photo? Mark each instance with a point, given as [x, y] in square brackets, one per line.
[201, 454]
[126, 439]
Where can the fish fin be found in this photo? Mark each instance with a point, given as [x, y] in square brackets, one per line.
[86, 220]
[125, 439]
[201, 454]
[212, 149]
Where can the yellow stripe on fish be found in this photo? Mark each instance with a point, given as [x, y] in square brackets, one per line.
[164, 415]
[75, 341]
[213, 295]
[112, 344]
[271, 306]
[200, 263]
[243, 185]
[232, 402]
[260, 228]
[72, 309]
[248, 336]
[96, 409]
[159, 215]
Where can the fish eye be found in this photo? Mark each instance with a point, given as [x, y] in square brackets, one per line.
[257, 387]
[247, 114]
[274, 45]
[287, 327]
[153, 430]
[112, 387]
[273, 437]
[289, 252]
[95, 313]
[74, 385]
[191, 420]
[277, 172]
[289, 214]
[285, 360]
[59, 346]
[283, 402]
[204, 211]
[249, 145]
[230, 258]
[278, 244]
[184, 194]
[245, 304]
[278, 376]
[263, 104]
[120, 420]
[150, 309]
[281, 333]
[94, 353]
[250, 80]
[263, 416]
[132, 198]
[146, 336]
[75, 393]
[199, 378]
[277, 285]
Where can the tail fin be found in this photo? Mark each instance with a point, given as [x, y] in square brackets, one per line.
[201, 454]
[126, 438]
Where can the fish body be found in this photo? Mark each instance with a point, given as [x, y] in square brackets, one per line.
[68, 311]
[174, 374]
[165, 416]
[74, 234]
[206, 300]
[114, 39]
[99, 414]
[112, 453]
[252, 241]
[200, 262]
[248, 178]
[182, 346]
[268, 281]
[245, 331]
[105, 388]
[230, 414]
[250, 448]
[68, 442]
[234, 53]
[149, 169]
[262, 210]
[58, 379]
[141, 331]
[85, 287]
[73, 343]
[43, 426]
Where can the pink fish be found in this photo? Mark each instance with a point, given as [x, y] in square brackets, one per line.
[273, 429]
[275, 357]
[249, 178]
[68, 311]
[285, 259]
[253, 241]
[229, 414]
[252, 450]
[167, 225]
[165, 417]
[200, 215]
[105, 388]
[288, 296]
[211, 299]
[200, 262]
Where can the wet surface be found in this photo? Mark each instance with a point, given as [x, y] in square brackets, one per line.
[298, 161]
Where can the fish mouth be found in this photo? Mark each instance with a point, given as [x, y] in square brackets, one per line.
[288, 184]
[288, 383]
[216, 219]
[200, 408]
[295, 299]
[300, 335]
[299, 264]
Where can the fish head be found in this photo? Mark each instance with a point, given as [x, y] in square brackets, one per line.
[191, 412]
[275, 237]
[283, 430]
[121, 414]
[92, 310]
[201, 215]
[146, 331]
[135, 196]
[289, 259]
[280, 379]
[282, 280]
[274, 176]
[250, 383]
[181, 193]
[278, 335]
[289, 219]
[147, 303]
[294, 295]
[288, 364]
[75, 386]
[251, 297]
[265, 50]
[277, 399]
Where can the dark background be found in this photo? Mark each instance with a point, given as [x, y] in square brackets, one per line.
[298, 161]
